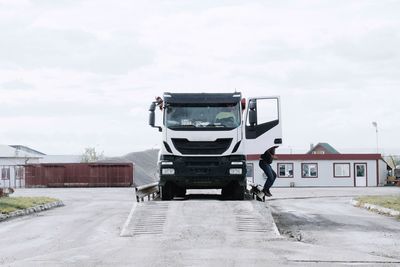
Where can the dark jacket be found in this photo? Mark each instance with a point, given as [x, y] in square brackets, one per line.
[268, 156]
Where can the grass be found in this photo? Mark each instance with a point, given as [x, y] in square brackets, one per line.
[10, 204]
[391, 202]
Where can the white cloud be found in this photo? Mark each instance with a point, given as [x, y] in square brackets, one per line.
[79, 73]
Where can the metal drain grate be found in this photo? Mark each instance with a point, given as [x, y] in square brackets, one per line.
[149, 218]
[247, 222]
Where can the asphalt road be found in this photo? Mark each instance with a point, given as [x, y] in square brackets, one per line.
[327, 219]
[200, 231]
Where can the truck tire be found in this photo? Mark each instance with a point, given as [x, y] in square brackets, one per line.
[233, 191]
[238, 192]
[166, 192]
[180, 191]
[226, 192]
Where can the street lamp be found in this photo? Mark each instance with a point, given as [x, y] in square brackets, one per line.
[376, 130]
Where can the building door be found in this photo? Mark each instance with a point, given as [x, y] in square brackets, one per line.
[360, 174]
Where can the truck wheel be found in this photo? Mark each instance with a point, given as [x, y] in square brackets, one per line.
[238, 193]
[229, 192]
[166, 192]
[226, 192]
[180, 191]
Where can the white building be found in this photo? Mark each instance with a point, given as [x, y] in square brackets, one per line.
[14, 157]
[12, 161]
[322, 170]
[323, 165]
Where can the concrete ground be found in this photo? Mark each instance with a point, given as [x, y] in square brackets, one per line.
[326, 218]
[201, 230]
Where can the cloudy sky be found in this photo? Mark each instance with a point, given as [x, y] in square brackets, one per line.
[76, 74]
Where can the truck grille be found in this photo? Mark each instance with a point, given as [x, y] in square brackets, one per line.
[187, 147]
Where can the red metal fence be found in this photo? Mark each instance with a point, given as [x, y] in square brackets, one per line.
[79, 175]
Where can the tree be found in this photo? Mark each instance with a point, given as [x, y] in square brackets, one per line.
[90, 155]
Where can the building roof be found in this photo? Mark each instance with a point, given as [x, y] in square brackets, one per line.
[11, 152]
[309, 157]
[329, 149]
[114, 160]
[61, 159]
[27, 149]
[82, 164]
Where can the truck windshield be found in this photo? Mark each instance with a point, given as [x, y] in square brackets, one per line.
[216, 116]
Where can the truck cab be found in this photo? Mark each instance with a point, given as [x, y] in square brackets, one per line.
[204, 140]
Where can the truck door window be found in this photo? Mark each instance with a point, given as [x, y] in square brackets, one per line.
[264, 115]
[267, 111]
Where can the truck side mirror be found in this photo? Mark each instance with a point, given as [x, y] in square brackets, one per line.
[252, 117]
[252, 105]
[252, 113]
[152, 116]
[152, 106]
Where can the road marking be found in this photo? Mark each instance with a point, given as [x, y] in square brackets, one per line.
[124, 228]
[150, 218]
[146, 218]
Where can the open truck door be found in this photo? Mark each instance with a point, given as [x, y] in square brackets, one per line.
[263, 124]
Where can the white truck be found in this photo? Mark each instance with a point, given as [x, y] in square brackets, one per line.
[207, 136]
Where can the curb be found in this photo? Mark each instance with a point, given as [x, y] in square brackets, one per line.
[266, 212]
[379, 209]
[28, 211]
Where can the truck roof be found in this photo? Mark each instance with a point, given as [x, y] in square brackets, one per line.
[207, 98]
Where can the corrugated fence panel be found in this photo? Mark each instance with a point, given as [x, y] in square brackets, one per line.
[79, 175]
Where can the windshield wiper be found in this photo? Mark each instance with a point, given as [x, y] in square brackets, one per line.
[216, 125]
[186, 126]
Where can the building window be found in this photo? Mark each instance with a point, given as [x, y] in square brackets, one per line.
[19, 172]
[341, 169]
[309, 170]
[360, 170]
[5, 173]
[285, 170]
[250, 170]
[250, 173]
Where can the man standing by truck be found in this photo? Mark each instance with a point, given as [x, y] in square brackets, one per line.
[265, 164]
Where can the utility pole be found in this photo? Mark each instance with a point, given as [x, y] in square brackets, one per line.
[375, 124]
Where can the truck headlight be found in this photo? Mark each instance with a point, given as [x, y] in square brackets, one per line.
[168, 171]
[235, 171]
[166, 163]
[237, 163]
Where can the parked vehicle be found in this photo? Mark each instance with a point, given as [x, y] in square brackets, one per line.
[206, 137]
[397, 173]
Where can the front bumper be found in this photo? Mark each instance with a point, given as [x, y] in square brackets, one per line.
[203, 172]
